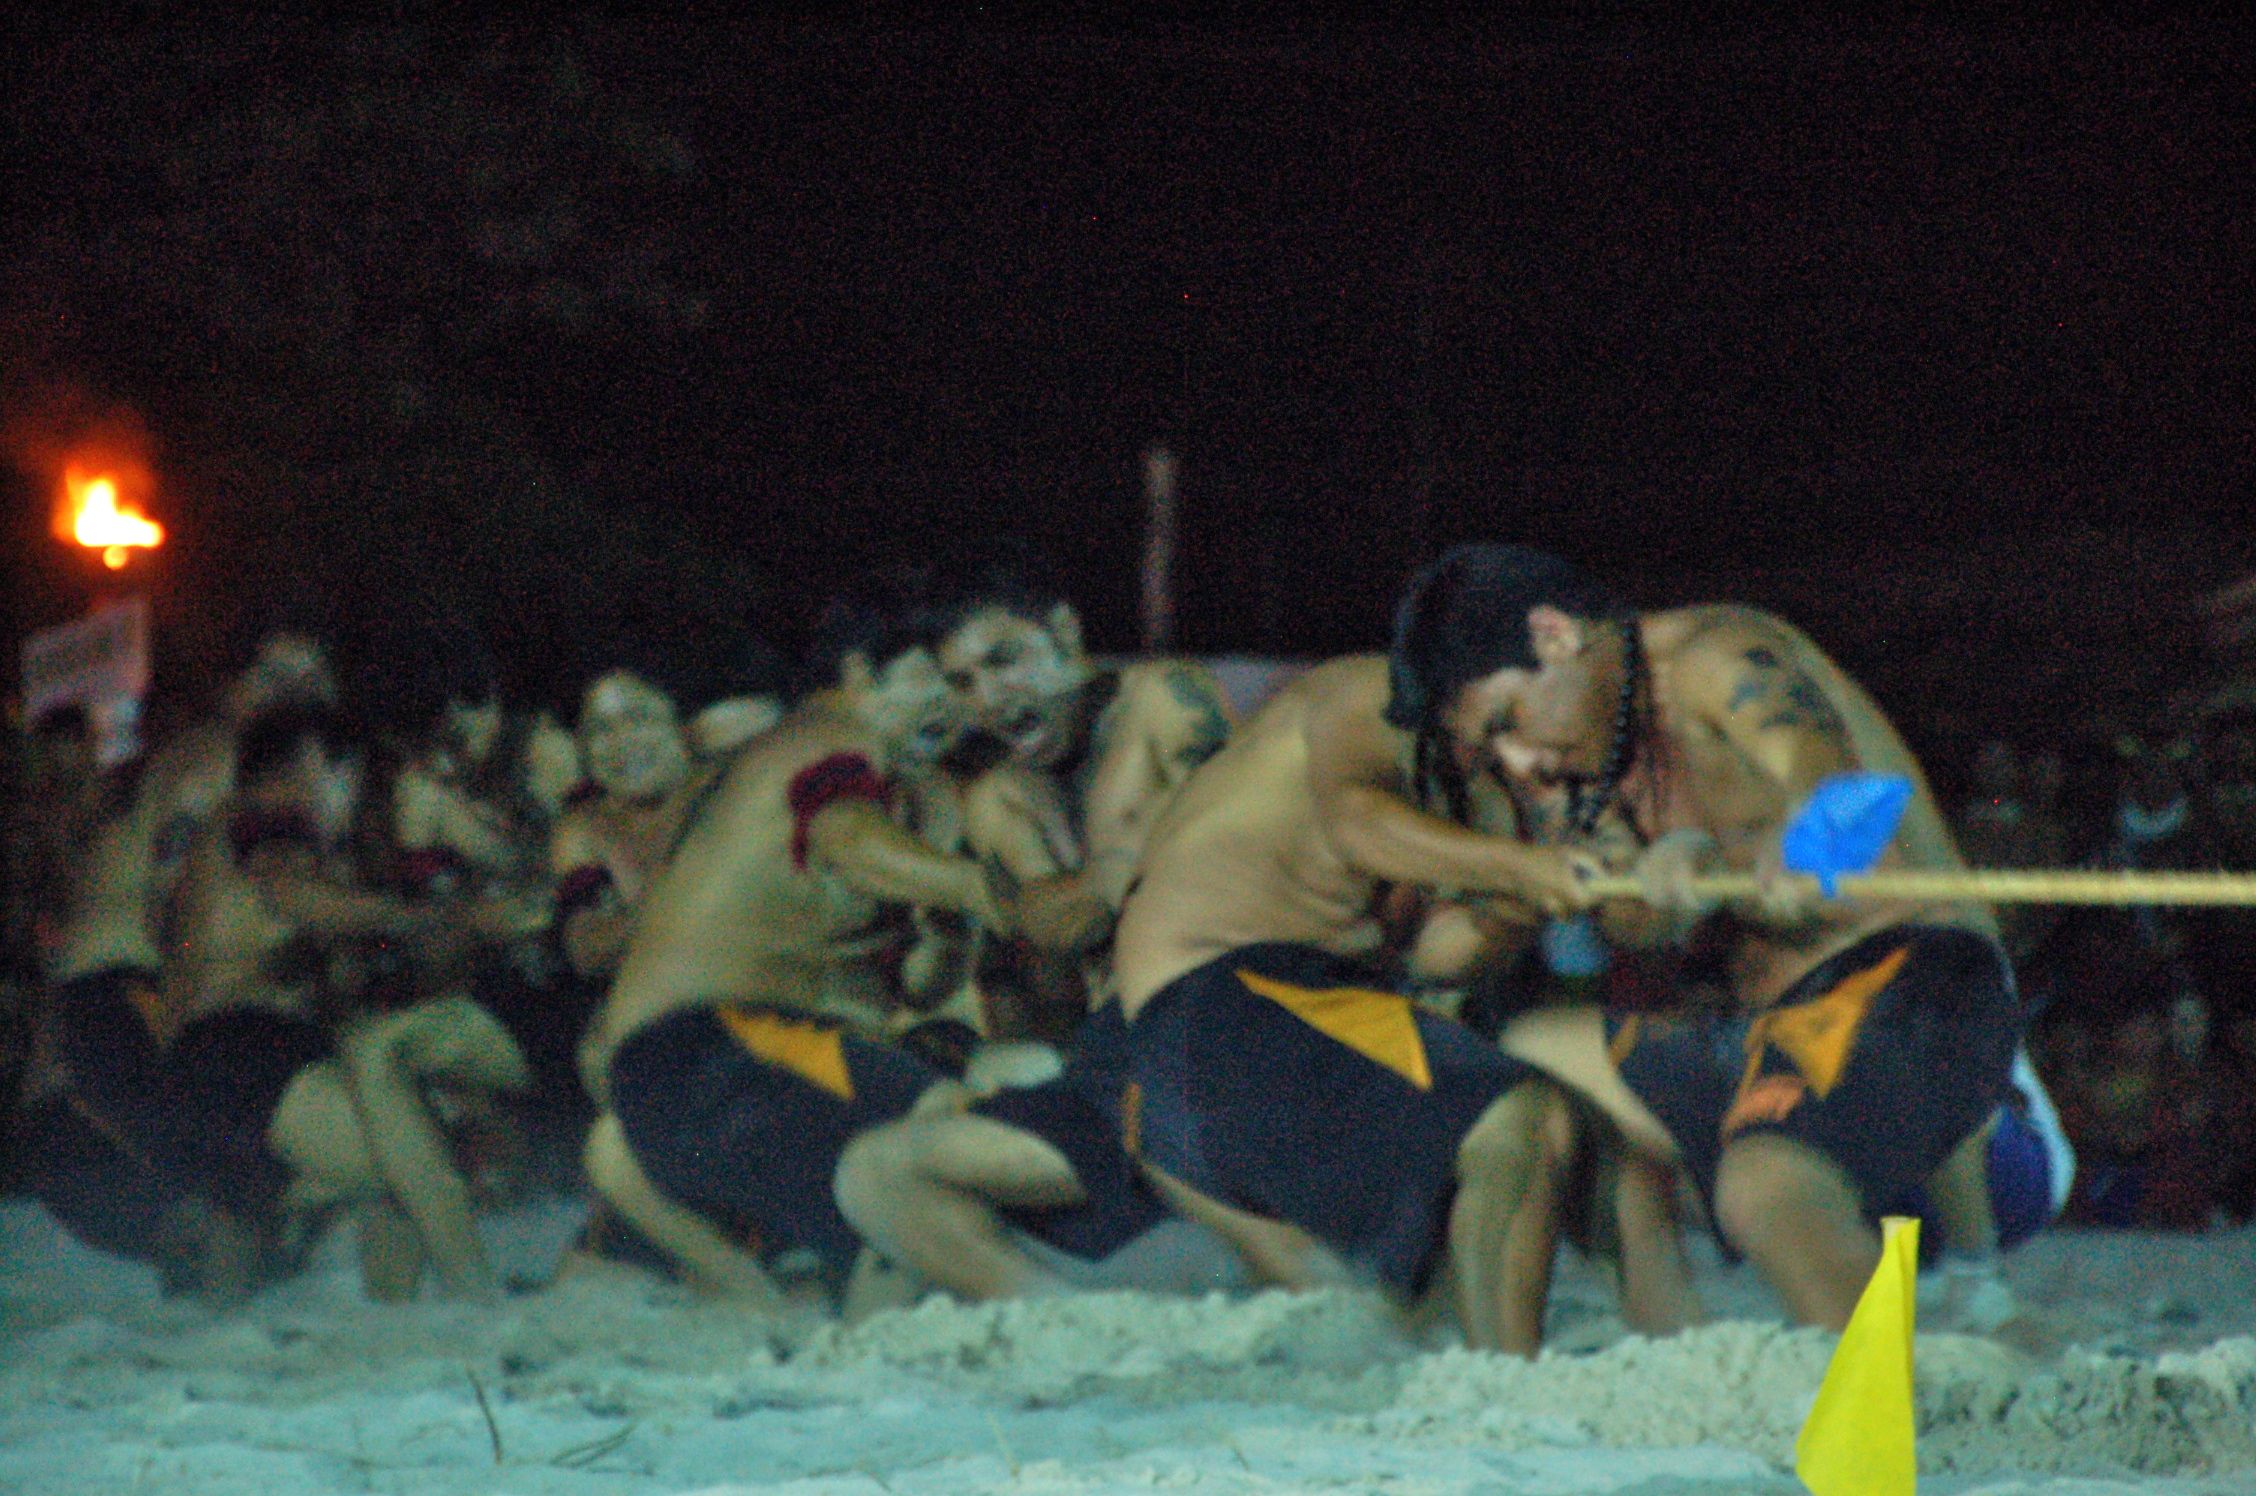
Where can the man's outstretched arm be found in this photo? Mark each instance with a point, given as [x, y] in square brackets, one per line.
[1355, 776]
[857, 840]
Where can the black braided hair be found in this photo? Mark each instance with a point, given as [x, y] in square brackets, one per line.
[1465, 616]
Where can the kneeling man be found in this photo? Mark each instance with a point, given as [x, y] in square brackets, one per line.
[1282, 1090]
[744, 1043]
[1028, 1189]
[1865, 1044]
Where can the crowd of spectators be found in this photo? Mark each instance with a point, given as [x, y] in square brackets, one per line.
[2145, 1018]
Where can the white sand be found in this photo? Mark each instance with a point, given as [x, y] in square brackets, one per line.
[616, 1384]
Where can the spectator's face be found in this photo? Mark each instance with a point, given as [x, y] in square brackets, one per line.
[632, 737]
[1019, 678]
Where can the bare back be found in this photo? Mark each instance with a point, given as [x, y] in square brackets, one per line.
[234, 949]
[742, 914]
[1724, 677]
[138, 856]
[1240, 856]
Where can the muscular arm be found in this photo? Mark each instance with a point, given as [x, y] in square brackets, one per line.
[1171, 718]
[1746, 685]
[1453, 940]
[1056, 906]
[1183, 719]
[429, 813]
[1355, 779]
[291, 883]
[858, 841]
[594, 932]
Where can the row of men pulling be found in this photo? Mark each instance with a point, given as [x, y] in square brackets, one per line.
[1252, 1095]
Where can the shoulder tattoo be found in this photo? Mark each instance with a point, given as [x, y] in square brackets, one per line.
[1210, 725]
[1783, 695]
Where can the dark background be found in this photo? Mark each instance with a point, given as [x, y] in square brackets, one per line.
[1934, 336]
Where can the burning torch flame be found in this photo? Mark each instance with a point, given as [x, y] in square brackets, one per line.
[99, 522]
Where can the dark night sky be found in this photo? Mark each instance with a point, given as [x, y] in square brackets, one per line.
[1795, 314]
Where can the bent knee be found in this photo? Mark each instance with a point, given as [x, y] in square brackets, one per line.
[316, 1131]
[605, 1156]
[875, 1172]
[1531, 1123]
[1765, 1182]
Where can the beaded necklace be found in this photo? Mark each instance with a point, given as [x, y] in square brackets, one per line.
[1588, 799]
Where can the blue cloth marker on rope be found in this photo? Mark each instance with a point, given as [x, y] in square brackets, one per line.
[1845, 825]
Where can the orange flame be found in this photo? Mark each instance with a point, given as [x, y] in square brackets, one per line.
[98, 520]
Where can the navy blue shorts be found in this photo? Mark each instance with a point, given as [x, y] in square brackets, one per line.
[225, 1075]
[1883, 1058]
[106, 1045]
[1079, 1115]
[1289, 1082]
[103, 1190]
[740, 1113]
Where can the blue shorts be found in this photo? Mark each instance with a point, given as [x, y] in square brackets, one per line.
[1291, 1083]
[740, 1113]
[107, 1193]
[116, 1070]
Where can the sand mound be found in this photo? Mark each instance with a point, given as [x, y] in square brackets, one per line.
[616, 1385]
[1317, 1350]
[1982, 1408]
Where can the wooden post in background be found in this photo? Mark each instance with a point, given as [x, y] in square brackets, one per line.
[1159, 550]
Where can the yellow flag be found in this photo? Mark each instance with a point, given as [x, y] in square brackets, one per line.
[1858, 1441]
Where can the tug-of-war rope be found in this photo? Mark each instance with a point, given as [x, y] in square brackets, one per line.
[1991, 886]
[1839, 833]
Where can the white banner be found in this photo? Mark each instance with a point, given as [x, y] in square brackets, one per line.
[100, 662]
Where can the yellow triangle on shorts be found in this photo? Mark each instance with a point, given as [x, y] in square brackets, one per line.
[1816, 1035]
[816, 1052]
[1377, 1025]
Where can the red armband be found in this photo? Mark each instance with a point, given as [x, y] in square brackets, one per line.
[842, 776]
[251, 829]
[580, 889]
